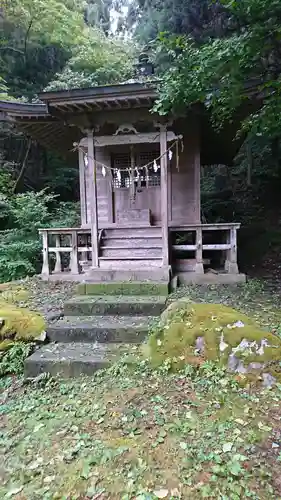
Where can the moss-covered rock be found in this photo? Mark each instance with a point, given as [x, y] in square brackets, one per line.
[192, 333]
[20, 324]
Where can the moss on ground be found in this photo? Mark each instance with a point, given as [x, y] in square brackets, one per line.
[123, 288]
[183, 322]
[20, 324]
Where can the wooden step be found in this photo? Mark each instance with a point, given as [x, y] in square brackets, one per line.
[131, 253]
[131, 242]
[129, 263]
[133, 232]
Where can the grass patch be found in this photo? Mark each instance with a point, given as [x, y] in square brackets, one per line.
[131, 432]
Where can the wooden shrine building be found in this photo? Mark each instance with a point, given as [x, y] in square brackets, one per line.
[139, 187]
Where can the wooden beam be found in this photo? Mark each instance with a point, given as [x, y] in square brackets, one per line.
[82, 186]
[141, 138]
[164, 195]
[93, 199]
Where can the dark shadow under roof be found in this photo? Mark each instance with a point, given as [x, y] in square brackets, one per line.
[53, 125]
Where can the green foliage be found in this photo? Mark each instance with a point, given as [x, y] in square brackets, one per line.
[236, 72]
[20, 246]
[52, 21]
[12, 360]
[201, 18]
[99, 60]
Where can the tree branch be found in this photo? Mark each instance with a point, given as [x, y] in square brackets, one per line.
[23, 167]
[12, 49]
[26, 35]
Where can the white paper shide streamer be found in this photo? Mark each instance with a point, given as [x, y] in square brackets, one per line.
[103, 171]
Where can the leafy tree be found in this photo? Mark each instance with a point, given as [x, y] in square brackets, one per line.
[147, 18]
[240, 72]
[99, 60]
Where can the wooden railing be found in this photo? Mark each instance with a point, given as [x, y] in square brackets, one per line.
[74, 242]
[227, 247]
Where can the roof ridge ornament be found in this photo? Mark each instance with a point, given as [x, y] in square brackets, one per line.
[126, 128]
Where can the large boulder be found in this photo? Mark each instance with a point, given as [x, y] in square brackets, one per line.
[193, 333]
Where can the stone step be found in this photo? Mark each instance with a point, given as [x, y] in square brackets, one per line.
[132, 242]
[124, 288]
[131, 253]
[126, 329]
[134, 305]
[72, 359]
[144, 273]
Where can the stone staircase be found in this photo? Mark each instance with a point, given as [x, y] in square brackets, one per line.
[102, 321]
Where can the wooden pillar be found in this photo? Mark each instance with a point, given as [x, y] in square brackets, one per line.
[74, 265]
[82, 185]
[58, 256]
[45, 267]
[93, 200]
[164, 194]
[199, 267]
[231, 254]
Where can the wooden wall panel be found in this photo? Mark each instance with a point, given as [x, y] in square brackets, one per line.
[184, 184]
[104, 194]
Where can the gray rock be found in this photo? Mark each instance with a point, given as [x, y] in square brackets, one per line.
[200, 345]
[268, 380]
[255, 366]
[241, 368]
[232, 363]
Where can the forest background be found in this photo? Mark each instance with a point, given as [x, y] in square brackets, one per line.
[222, 53]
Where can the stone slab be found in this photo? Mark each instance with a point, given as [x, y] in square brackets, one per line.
[114, 329]
[70, 360]
[134, 305]
[124, 288]
[105, 275]
[211, 278]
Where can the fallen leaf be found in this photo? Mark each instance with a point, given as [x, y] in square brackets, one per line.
[161, 493]
[14, 491]
[38, 427]
[227, 447]
[263, 427]
[49, 479]
[240, 421]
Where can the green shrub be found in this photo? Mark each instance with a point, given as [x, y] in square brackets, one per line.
[20, 244]
[12, 360]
